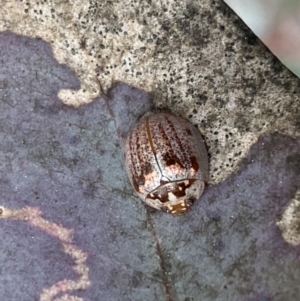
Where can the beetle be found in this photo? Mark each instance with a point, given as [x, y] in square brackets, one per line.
[166, 162]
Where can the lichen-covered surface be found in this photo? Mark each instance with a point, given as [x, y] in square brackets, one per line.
[72, 228]
[196, 57]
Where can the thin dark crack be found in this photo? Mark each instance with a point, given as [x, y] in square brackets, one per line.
[163, 266]
[106, 99]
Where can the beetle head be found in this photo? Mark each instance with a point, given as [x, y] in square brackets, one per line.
[180, 207]
[176, 196]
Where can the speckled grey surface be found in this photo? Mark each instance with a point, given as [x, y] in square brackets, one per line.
[68, 163]
[197, 58]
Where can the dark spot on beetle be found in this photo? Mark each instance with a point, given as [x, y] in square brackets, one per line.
[147, 168]
[194, 162]
[169, 159]
[188, 131]
[179, 190]
[163, 197]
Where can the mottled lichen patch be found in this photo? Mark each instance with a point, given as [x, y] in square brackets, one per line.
[197, 58]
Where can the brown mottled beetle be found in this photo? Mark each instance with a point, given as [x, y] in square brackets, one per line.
[166, 161]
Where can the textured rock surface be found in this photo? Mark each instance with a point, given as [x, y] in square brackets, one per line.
[71, 226]
[196, 57]
[92, 238]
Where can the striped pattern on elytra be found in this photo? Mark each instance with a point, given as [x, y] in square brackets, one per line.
[166, 161]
